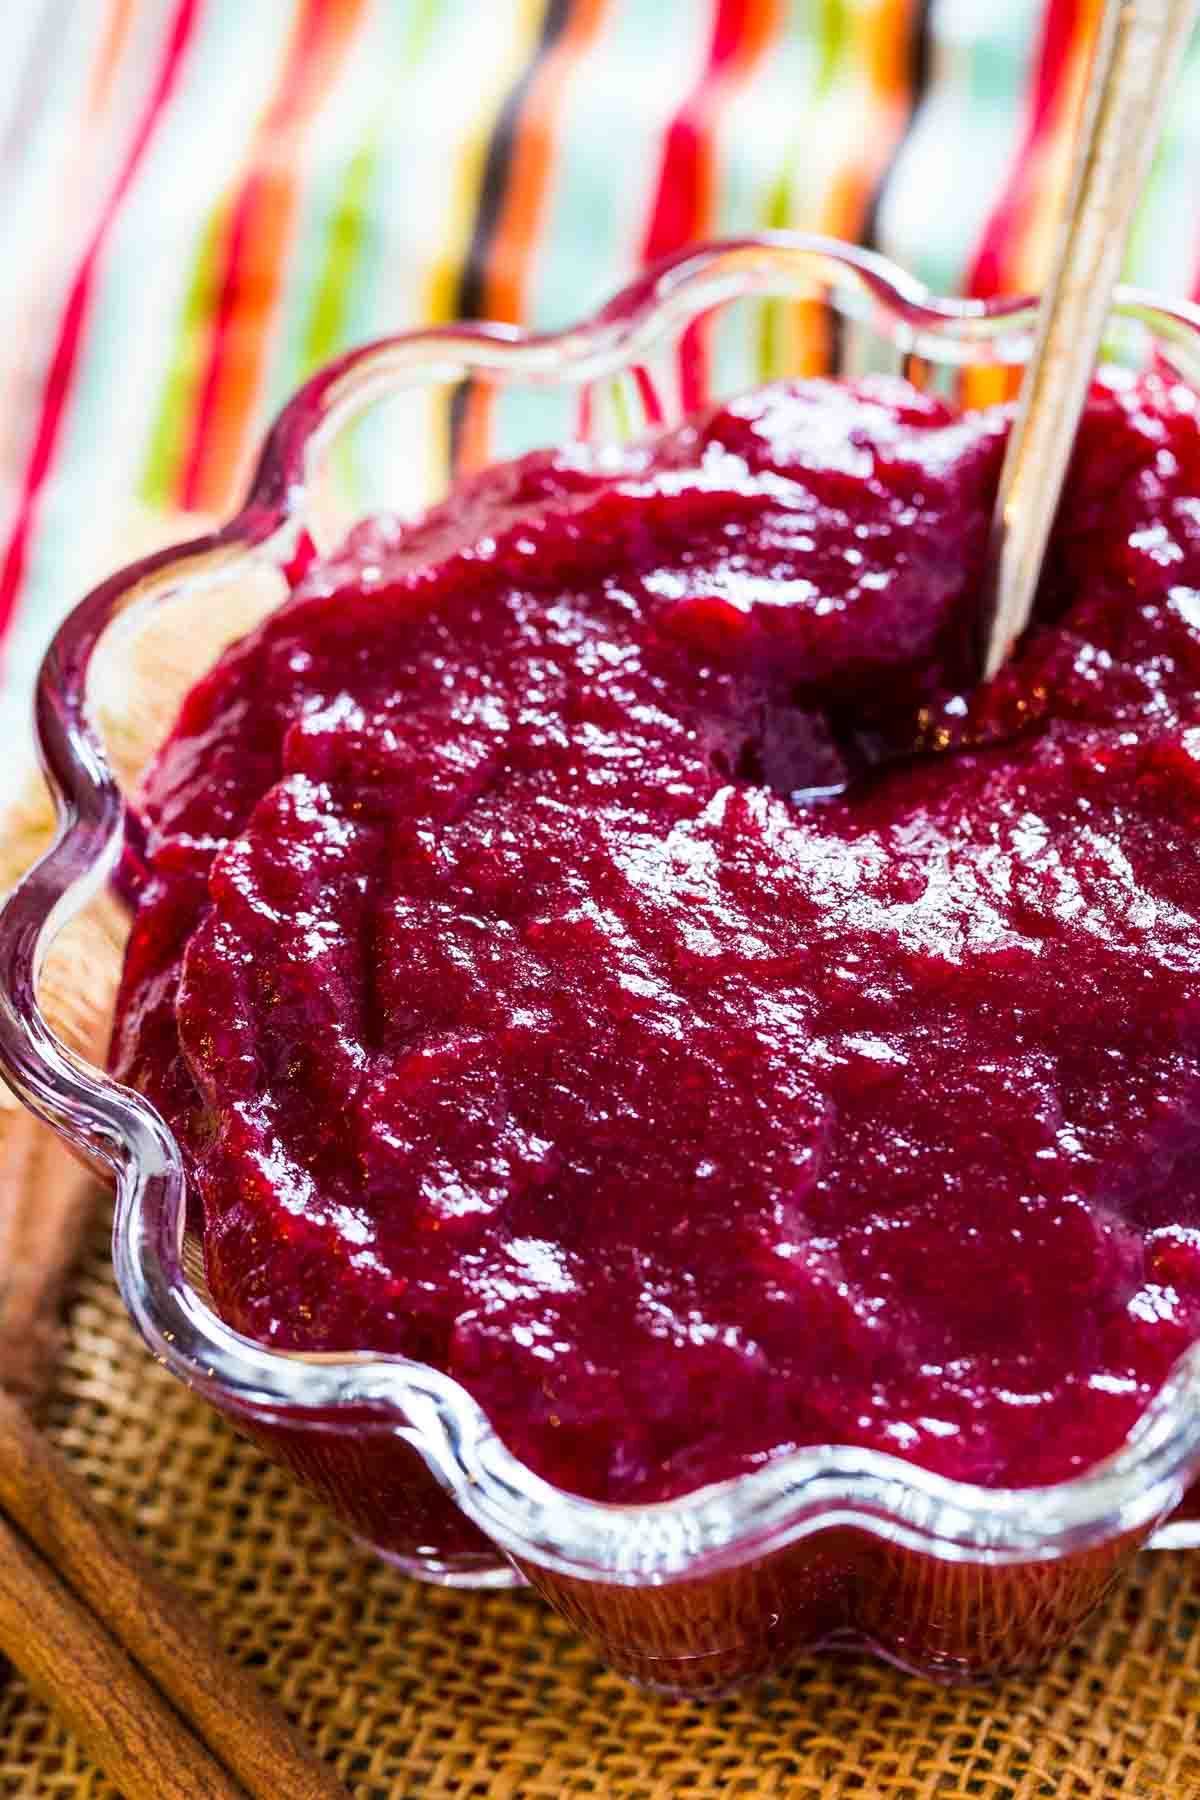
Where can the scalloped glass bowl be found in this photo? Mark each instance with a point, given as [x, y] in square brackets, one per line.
[832, 1545]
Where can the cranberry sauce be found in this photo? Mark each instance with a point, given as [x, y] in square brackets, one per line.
[597, 942]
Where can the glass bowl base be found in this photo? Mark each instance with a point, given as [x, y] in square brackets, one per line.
[472, 1569]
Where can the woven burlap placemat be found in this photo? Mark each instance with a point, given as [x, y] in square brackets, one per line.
[411, 1690]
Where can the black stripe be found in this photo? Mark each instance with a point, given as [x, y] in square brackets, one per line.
[920, 49]
[470, 291]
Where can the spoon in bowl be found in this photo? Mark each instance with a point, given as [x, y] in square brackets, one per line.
[1137, 58]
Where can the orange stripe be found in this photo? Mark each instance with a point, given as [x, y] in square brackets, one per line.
[256, 251]
[445, 273]
[529, 171]
[511, 252]
[120, 18]
[880, 50]
[882, 32]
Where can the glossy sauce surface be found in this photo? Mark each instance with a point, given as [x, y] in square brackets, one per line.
[596, 941]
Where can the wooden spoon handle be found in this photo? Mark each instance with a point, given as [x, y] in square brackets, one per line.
[1137, 58]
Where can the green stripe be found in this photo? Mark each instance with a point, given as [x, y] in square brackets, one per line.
[158, 483]
[777, 209]
[831, 27]
[331, 298]
[325, 330]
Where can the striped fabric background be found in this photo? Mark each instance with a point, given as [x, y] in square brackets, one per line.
[200, 200]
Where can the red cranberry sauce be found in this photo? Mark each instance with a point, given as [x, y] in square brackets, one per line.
[597, 942]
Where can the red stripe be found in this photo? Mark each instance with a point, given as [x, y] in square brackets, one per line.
[989, 271]
[66, 350]
[306, 39]
[1195, 288]
[683, 198]
[226, 307]
[680, 201]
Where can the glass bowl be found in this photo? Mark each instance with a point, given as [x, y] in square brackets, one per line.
[829, 1546]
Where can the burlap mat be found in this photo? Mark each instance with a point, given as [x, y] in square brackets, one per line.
[412, 1690]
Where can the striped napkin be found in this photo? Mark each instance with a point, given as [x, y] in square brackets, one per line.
[200, 200]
